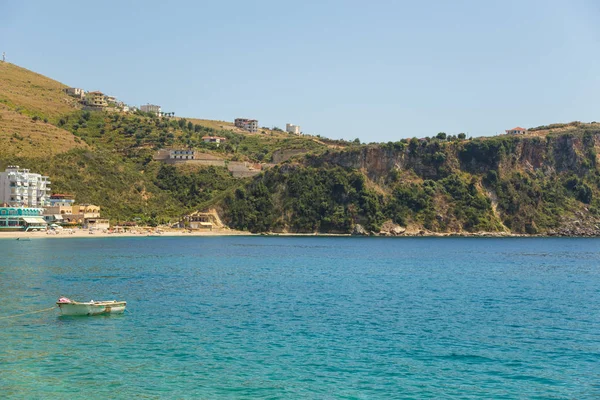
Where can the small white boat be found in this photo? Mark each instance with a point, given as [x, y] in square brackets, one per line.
[70, 307]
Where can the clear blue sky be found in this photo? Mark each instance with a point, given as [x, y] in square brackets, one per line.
[379, 70]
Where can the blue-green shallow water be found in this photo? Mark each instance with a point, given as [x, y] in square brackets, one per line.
[273, 317]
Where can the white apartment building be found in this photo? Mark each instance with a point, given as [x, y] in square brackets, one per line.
[291, 128]
[21, 188]
[186, 154]
[151, 108]
[250, 125]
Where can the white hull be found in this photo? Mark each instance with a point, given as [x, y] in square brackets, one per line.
[92, 308]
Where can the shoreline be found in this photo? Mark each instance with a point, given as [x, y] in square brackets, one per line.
[83, 233]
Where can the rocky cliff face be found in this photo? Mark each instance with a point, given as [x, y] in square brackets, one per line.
[378, 161]
[543, 183]
[521, 176]
[569, 152]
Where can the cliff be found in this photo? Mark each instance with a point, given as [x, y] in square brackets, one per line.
[545, 182]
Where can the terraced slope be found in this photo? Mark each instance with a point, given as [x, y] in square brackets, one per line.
[21, 136]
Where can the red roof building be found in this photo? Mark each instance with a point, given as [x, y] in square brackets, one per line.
[516, 131]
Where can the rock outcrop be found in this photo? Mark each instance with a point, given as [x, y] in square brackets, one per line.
[359, 230]
[391, 229]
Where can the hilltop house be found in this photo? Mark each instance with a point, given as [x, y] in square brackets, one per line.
[95, 99]
[75, 92]
[250, 125]
[213, 139]
[291, 128]
[151, 108]
[516, 131]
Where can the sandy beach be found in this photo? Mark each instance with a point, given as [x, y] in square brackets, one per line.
[140, 232]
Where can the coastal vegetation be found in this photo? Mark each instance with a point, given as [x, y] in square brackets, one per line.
[514, 184]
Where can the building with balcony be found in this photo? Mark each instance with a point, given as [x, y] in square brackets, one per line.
[95, 99]
[61, 200]
[86, 211]
[21, 219]
[63, 210]
[22, 188]
[151, 108]
[80, 214]
[291, 128]
[60, 206]
[250, 125]
[198, 221]
[186, 154]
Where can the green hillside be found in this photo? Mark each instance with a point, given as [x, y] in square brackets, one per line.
[107, 158]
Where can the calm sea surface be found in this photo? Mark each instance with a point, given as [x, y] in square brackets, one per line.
[287, 318]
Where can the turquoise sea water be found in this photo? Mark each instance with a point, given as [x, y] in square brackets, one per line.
[285, 318]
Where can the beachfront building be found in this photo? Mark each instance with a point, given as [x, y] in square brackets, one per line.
[21, 219]
[250, 125]
[80, 214]
[53, 218]
[60, 206]
[198, 221]
[22, 188]
[516, 131]
[96, 223]
[86, 211]
[291, 128]
[66, 201]
[151, 108]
